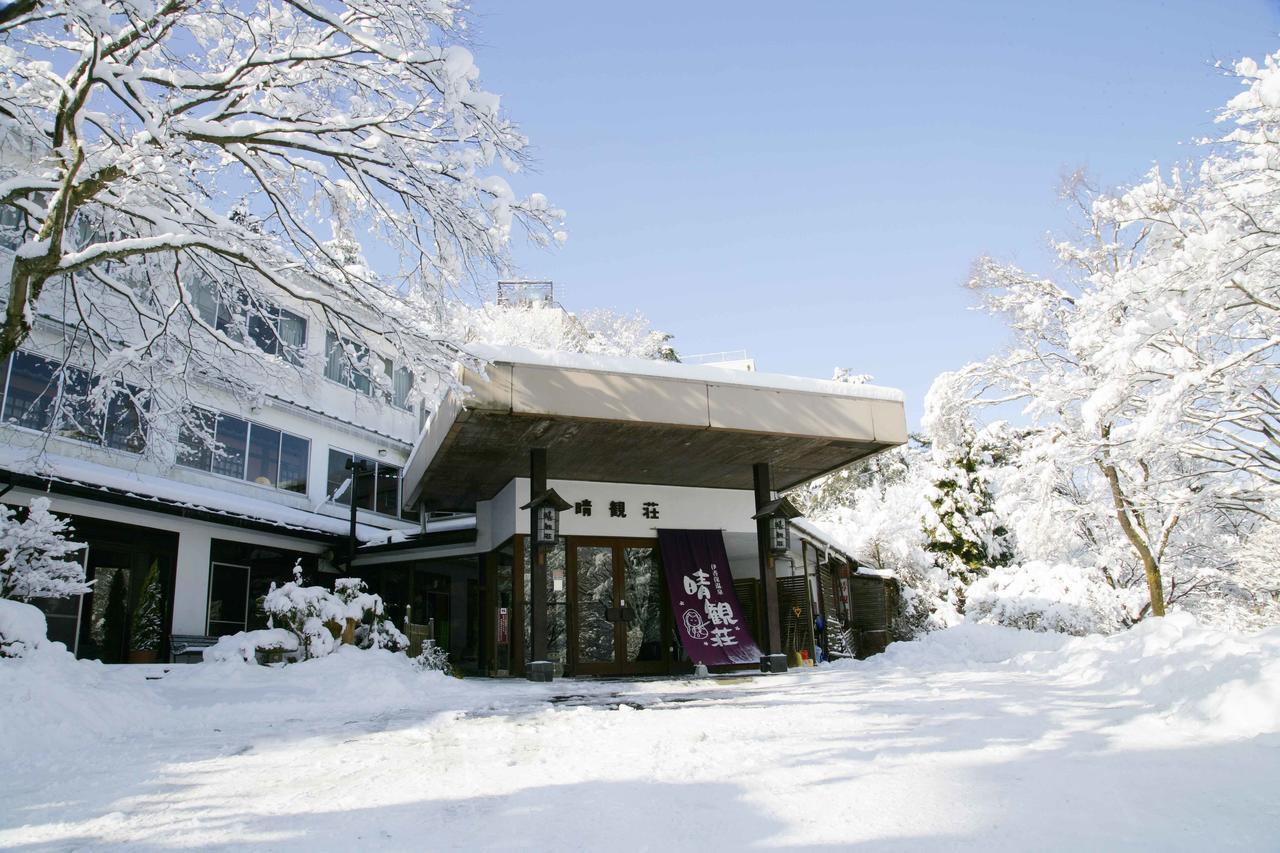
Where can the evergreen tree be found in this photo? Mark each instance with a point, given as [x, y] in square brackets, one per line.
[148, 619]
[963, 528]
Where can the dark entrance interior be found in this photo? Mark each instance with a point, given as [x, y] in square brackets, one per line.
[608, 612]
[126, 616]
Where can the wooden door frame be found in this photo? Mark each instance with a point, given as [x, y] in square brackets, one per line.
[619, 666]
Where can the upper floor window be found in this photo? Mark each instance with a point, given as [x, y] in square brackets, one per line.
[349, 363]
[45, 395]
[245, 450]
[238, 315]
[376, 489]
[12, 226]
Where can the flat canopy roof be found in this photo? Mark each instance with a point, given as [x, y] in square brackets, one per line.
[611, 419]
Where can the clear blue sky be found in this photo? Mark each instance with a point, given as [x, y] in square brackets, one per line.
[811, 181]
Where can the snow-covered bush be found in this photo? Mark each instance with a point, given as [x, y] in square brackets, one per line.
[323, 619]
[246, 645]
[432, 658]
[22, 629]
[1041, 596]
[313, 614]
[33, 555]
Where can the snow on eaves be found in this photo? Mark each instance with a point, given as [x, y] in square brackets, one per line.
[823, 539]
[676, 370]
[173, 493]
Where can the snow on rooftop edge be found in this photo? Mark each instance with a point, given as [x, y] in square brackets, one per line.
[161, 489]
[676, 370]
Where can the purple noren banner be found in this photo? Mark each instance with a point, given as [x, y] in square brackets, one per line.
[706, 609]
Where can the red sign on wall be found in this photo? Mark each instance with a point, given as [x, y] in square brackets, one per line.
[503, 625]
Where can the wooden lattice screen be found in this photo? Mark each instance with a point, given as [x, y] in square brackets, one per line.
[748, 592]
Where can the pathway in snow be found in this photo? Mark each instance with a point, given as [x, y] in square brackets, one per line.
[928, 748]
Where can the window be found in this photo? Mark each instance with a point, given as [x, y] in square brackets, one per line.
[400, 380]
[228, 599]
[346, 362]
[42, 394]
[12, 226]
[232, 437]
[245, 450]
[378, 489]
[240, 575]
[238, 315]
[349, 363]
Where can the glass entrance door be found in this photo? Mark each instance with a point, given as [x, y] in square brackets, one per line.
[619, 607]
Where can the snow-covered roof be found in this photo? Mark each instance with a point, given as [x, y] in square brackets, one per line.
[822, 538]
[132, 484]
[675, 370]
[631, 420]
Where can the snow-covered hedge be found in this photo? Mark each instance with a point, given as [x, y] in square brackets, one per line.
[1042, 596]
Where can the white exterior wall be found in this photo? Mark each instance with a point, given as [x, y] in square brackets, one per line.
[327, 414]
[727, 510]
[679, 507]
[191, 584]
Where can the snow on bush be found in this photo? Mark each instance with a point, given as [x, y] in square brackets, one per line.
[22, 629]
[432, 658]
[244, 646]
[1041, 596]
[321, 619]
[33, 552]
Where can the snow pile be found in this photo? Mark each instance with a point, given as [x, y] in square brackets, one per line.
[1175, 671]
[244, 646]
[1209, 683]
[962, 647]
[50, 701]
[22, 628]
[1041, 596]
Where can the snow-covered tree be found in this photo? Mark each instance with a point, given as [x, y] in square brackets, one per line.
[1147, 369]
[877, 510]
[34, 552]
[964, 528]
[174, 172]
[548, 326]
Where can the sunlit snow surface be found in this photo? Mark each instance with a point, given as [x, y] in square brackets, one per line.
[976, 738]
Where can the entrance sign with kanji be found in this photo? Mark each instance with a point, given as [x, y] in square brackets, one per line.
[706, 609]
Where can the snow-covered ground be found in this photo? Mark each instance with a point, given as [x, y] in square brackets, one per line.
[978, 737]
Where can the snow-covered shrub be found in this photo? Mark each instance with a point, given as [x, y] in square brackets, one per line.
[1041, 596]
[313, 614]
[22, 628]
[246, 645]
[432, 658]
[323, 619]
[33, 552]
[381, 634]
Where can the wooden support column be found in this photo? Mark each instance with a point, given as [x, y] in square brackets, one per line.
[539, 667]
[774, 659]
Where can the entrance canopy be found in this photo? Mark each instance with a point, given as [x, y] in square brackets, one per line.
[626, 420]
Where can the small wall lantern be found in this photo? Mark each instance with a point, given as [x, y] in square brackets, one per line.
[547, 507]
[779, 514]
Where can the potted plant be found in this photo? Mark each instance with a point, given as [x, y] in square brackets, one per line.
[148, 619]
